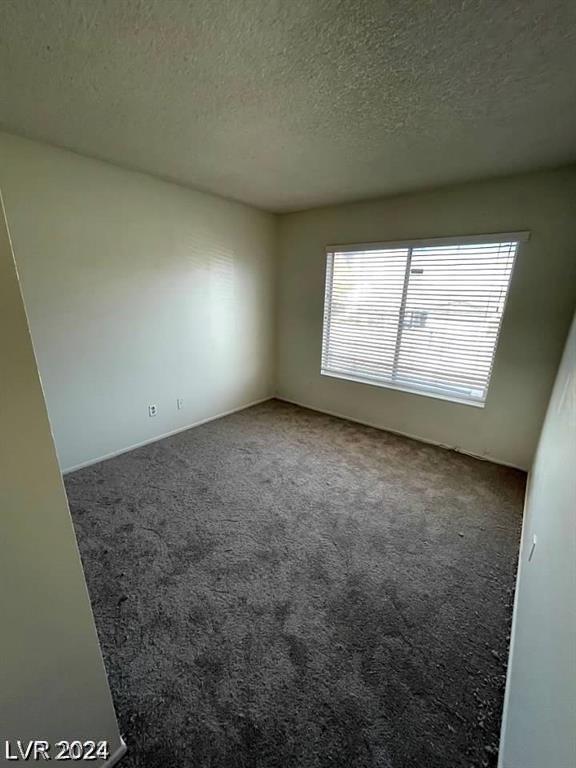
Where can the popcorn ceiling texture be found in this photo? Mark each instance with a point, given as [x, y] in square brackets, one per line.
[286, 105]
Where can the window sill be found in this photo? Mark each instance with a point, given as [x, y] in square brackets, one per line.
[403, 388]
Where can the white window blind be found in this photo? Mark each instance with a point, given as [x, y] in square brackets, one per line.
[422, 316]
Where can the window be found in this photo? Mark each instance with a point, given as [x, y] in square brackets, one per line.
[422, 317]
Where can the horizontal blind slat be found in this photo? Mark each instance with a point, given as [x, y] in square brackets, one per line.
[434, 324]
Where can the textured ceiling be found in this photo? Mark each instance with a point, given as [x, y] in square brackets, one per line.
[287, 104]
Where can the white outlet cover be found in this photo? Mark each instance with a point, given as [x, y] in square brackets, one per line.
[180, 403]
[152, 410]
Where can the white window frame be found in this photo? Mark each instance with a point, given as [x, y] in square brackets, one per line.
[426, 390]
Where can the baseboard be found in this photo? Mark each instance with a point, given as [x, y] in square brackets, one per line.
[337, 415]
[117, 755]
[398, 432]
[133, 447]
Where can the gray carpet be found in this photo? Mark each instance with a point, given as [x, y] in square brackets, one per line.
[281, 588]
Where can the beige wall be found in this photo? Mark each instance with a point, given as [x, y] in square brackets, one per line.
[52, 680]
[141, 292]
[539, 724]
[541, 301]
[137, 292]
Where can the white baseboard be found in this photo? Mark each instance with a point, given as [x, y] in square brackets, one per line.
[365, 423]
[133, 447]
[117, 755]
[398, 432]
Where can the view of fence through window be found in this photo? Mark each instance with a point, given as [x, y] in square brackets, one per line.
[424, 318]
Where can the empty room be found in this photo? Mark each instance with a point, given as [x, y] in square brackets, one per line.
[288, 383]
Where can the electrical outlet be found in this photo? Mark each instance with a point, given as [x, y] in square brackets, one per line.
[152, 410]
[180, 403]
